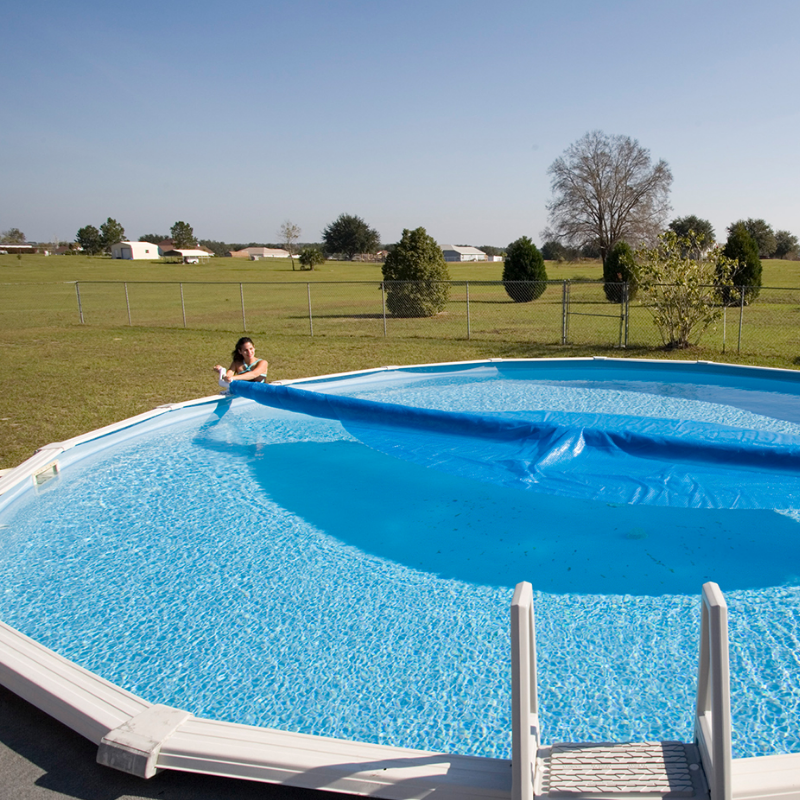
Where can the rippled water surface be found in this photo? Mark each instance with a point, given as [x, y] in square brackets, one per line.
[268, 568]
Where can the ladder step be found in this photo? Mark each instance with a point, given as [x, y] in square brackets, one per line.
[628, 770]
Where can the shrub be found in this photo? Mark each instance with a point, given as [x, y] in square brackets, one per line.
[618, 269]
[310, 257]
[415, 273]
[745, 278]
[524, 273]
[680, 291]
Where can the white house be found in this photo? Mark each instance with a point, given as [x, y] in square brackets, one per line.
[453, 253]
[135, 251]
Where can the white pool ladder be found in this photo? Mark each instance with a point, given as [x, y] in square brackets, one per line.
[624, 770]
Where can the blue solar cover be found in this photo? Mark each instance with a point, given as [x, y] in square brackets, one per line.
[616, 458]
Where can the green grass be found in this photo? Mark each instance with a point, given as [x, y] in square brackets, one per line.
[63, 378]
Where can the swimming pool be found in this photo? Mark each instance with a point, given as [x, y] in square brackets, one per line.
[259, 566]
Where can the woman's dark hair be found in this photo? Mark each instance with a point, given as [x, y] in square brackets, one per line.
[237, 356]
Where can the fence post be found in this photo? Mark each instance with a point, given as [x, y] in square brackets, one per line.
[469, 327]
[183, 306]
[80, 307]
[241, 295]
[564, 312]
[627, 312]
[310, 318]
[741, 316]
[128, 304]
[724, 324]
[383, 305]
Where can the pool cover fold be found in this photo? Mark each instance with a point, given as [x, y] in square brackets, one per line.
[616, 458]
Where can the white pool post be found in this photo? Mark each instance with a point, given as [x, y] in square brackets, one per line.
[524, 697]
[712, 723]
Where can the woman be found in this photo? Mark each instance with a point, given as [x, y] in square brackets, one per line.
[245, 366]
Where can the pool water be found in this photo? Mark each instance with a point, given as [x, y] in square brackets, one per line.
[264, 567]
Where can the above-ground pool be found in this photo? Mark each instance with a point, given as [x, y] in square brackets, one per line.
[267, 567]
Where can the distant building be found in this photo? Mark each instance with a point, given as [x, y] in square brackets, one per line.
[452, 252]
[135, 251]
[169, 244]
[257, 253]
[189, 255]
[18, 249]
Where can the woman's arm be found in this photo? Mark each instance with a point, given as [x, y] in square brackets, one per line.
[227, 374]
[254, 374]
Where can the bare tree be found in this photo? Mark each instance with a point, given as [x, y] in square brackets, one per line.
[289, 234]
[606, 190]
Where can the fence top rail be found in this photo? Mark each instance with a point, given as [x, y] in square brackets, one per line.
[377, 282]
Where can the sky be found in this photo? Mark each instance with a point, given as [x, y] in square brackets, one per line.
[446, 114]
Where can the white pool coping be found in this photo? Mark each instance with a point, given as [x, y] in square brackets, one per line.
[142, 738]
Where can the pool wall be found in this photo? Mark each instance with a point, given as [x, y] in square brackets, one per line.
[142, 738]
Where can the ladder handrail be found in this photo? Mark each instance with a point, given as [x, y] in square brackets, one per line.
[524, 695]
[712, 726]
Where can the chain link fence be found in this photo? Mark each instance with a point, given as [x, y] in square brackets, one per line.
[553, 313]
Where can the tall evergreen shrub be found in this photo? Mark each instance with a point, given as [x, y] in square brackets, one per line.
[415, 275]
[524, 273]
[746, 275]
[618, 269]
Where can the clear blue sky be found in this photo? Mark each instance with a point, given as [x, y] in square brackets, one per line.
[442, 113]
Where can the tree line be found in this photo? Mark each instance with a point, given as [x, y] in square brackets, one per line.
[94, 241]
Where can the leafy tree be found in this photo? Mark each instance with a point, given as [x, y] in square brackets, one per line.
[694, 226]
[491, 251]
[310, 257]
[686, 226]
[12, 236]
[605, 189]
[289, 234]
[786, 245]
[618, 270]
[220, 249]
[554, 251]
[182, 235]
[415, 273]
[679, 291]
[524, 273]
[742, 249]
[111, 232]
[153, 238]
[90, 240]
[590, 250]
[762, 234]
[349, 235]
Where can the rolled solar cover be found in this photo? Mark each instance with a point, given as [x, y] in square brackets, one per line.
[615, 458]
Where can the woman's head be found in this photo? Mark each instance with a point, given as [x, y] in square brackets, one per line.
[241, 348]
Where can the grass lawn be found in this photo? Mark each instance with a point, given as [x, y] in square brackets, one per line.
[63, 378]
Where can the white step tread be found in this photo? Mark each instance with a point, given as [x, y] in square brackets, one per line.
[621, 770]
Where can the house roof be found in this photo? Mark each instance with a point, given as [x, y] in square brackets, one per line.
[263, 251]
[465, 251]
[186, 252]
